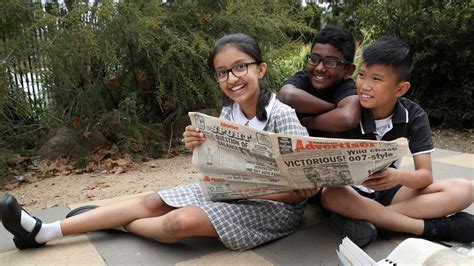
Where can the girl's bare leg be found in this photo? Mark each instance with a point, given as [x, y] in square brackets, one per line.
[115, 214]
[175, 225]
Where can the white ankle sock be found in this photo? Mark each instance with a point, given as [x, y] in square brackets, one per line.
[47, 232]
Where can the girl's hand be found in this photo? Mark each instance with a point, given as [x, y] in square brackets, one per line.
[192, 137]
[382, 180]
[307, 192]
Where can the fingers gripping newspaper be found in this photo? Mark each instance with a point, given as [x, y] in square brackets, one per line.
[237, 161]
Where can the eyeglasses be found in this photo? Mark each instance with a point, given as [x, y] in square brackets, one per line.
[328, 62]
[239, 70]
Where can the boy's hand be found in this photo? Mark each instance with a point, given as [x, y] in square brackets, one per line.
[383, 180]
[307, 192]
[192, 137]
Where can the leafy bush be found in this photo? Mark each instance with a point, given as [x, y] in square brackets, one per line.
[283, 68]
[440, 32]
[133, 64]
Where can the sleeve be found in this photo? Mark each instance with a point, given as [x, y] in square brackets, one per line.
[285, 121]
[299, 80]
[419, 133]
[226, 113]
[347, 88]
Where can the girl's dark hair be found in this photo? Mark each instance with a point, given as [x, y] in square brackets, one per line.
[248, 45]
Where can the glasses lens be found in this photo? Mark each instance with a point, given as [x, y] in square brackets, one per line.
[330, 62]
[221, 75]
[314, 59]
[239, 70]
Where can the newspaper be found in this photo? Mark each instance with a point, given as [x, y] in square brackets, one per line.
[238, 161]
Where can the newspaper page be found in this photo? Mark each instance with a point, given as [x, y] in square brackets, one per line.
[238, 161]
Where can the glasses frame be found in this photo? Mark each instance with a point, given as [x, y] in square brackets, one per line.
[324, 58]
[233, 73]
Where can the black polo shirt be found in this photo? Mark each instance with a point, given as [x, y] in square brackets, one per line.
[409, 120]
[341, 91]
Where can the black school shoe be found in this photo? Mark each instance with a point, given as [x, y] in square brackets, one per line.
[458, 227]
[11, 219]
[80, 210]
[361, 232]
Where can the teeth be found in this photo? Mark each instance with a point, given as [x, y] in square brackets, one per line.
[366, 96]
[319, 77]
[237, 88]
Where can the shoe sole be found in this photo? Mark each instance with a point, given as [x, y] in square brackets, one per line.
[80, 210]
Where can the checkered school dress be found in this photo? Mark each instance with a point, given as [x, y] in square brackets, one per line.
[245, 224]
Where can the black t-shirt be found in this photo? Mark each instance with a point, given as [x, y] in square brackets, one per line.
[409, 121]
[341, 91]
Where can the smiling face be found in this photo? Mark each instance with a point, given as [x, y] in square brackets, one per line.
[323, 78]
[243, 90]
[378, 89]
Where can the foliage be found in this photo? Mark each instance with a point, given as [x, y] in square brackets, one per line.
[5, 157]
[283, 68]
[129, 65]
[440, 32]
[123, 126]
[19, 127]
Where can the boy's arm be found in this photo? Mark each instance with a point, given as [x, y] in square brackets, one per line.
[344, 117]
[422, 176]
[418, 179]
[302, 101]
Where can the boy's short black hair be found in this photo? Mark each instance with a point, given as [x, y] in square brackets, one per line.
[391, 52]
[340, 38]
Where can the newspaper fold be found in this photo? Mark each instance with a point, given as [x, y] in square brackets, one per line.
[238, 161]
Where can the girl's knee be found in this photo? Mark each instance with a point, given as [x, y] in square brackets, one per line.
[153, 204]
[179, 224]
[188, 221]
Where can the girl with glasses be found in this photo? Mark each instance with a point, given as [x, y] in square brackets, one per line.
[173, 214]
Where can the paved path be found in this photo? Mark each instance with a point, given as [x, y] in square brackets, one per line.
[314, 243]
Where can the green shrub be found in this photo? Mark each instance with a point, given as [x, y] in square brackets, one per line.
[440, 32]
[133, 64]
[283, 68]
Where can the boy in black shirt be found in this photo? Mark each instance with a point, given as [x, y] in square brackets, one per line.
[396, 199]
[324, 95]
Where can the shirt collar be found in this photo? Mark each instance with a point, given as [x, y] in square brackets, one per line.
[240, 118]
[367, 121]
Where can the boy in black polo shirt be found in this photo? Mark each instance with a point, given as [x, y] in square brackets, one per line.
[395, 199]
[324, 95]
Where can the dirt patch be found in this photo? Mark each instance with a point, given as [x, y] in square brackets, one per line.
[455, 140]
[156, 174]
